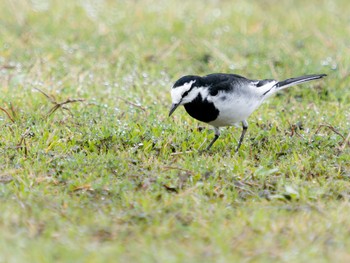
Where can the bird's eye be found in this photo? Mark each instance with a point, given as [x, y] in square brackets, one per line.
[185, 93]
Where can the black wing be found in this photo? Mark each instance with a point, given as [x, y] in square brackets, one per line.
[222, 77]
[225, 82]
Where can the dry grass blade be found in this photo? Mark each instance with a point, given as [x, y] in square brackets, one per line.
[13, 111]
[46, 95]
[179, 153]
[86, 187]
[8, 115]
[168, 51]
[5, 179]
[217, 52]
[345, 142]
[177, 168]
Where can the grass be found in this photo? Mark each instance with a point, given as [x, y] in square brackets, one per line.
[110, 177]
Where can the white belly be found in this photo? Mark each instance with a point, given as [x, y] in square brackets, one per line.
[234, 110]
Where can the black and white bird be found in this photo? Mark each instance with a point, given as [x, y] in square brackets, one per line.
[226, 99]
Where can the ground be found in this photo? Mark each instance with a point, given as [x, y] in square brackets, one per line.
[93, 170]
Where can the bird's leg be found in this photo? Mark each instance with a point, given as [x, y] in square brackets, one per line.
[217, 134]
[244, 130]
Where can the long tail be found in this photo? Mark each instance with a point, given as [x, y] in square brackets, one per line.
[295, 81]
[291, 82]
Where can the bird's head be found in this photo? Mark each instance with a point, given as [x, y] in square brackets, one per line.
[184, 91]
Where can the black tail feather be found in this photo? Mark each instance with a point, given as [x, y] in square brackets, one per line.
[294, 81]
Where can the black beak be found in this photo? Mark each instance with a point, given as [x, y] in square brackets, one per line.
[173, 108]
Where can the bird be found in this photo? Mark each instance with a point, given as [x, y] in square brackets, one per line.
[222, 99]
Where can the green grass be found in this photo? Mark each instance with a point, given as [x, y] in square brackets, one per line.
[113, 179]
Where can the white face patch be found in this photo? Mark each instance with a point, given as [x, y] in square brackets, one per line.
[176, 93]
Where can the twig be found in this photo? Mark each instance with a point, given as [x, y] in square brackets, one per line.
[8, 115]
[7, 67]
[23, 141]
[131, 103]
[170, 189]
[291, 129]
[58, 104]
[294, 130]
[331, 128]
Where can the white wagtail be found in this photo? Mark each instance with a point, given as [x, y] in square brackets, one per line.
[226, 99]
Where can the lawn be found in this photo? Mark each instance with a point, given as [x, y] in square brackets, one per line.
[93, 170]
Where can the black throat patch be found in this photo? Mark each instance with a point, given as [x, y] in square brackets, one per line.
[202, 110]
